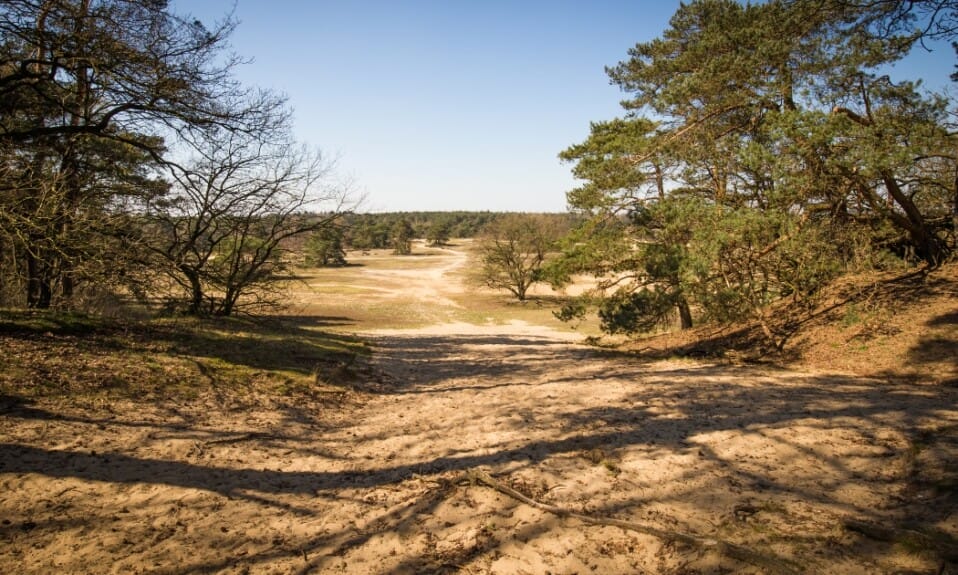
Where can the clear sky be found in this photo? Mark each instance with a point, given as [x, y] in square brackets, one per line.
[455, 104]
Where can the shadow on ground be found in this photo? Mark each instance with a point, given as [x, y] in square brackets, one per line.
[666, 413]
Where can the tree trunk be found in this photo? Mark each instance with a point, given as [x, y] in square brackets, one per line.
[196, 290]
[229, 303]
[954, 209]
[926, 244]
[685, 313]
[520, 291]
[67, 284]
[39, 288]
[33, 281]
[659, 181]
[70, 165]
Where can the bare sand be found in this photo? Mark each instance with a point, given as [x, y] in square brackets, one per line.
[771, 460]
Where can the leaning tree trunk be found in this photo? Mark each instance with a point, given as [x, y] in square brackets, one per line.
[926, 244]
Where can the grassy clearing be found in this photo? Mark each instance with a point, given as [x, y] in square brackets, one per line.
[48, 354]
[433, 286]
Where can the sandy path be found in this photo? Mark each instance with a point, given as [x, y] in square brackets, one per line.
[431, 286]
[772, 459]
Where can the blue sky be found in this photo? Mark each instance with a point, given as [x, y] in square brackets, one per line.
[451, 105]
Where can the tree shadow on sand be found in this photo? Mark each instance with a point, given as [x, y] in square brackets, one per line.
[941, 348]
[667, 413]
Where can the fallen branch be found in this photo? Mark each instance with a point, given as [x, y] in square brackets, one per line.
[769, 563]
[244, 437]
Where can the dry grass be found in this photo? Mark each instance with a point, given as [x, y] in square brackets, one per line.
[887, 325]
[81, 357]
[380, 290]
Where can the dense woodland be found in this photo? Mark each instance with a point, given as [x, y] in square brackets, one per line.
[762, 153]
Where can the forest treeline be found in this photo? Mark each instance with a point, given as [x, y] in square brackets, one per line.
[370, 231]
[397, 231]
[763, 152]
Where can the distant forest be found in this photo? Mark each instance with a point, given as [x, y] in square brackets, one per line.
[375, 231]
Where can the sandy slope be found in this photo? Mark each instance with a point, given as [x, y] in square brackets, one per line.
[770, 459]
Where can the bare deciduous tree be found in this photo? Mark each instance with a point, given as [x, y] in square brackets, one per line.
[92, 93]
[220, 233]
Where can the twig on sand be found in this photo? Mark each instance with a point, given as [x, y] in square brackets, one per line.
[770, 563]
